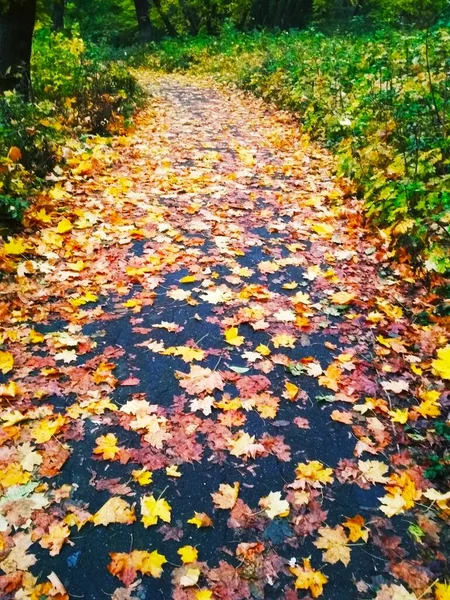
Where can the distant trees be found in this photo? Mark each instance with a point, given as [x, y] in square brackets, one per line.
[17, 20]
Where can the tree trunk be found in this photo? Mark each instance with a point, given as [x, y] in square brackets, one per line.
[58, 14]
[165, 19]
[16, 38]
[191, 17]
[144, 23]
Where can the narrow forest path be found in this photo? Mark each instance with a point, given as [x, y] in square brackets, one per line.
[199, 307]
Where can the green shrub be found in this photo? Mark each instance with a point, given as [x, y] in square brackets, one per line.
[75, 91]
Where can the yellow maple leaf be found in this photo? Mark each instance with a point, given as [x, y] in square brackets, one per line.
[47, 428]
[14, 247]
[126, 565]
[335, 544]
[227, 495]
[6, 362]
[244, 444]
[107, 446]
[262, 349]
[172, 471]
[13, 474]
[290, 391]
[186, 353]
[188, 554]
[283, 340]
[274, 505]
[153, 509]
[10, 390]
[64, 226]
[200, 520]
[232, 337]
[323, 229]
[441, 364]
[429, 407]
[55, 538]
[342, 298]
[290, 286]
[142, 476]
[442, 591]
[308, 578]
[203, 595]
[115, 510]
[355, 526]
[314, 474]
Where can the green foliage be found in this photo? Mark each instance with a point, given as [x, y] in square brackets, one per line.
[380, 100]
[74, 92]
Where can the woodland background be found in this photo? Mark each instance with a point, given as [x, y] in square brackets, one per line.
[369, 78]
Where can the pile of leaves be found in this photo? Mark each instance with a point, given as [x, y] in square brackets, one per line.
[380, 100]
[74, 93]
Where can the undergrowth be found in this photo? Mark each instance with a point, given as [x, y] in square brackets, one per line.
[379, 100]
[75, 92]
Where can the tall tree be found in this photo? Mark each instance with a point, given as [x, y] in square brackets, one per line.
[58, 14]
[165, 19]
[144, 23]
[17, 20]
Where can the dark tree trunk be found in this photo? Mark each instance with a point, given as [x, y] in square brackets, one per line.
[144, 23]
[16, 38]
[58, 14]
[165, 19]
[191, 17]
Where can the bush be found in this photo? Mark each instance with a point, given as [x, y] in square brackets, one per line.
[380, 101]
[75, 91]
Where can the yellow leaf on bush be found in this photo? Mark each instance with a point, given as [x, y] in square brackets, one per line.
[14, 154]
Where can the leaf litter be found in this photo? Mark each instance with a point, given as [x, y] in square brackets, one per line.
[211, 388]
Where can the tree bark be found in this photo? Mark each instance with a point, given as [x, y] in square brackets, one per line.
[165, 19]
[58, 14]
[191, 17]
[144, 23]
[16, 38]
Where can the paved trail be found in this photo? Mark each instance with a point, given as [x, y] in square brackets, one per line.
[213, 306]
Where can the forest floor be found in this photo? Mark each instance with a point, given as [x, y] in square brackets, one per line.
[213, 386]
